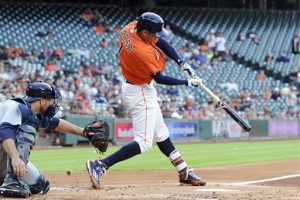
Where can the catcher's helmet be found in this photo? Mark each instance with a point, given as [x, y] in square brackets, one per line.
[153, 23]
[41, 90]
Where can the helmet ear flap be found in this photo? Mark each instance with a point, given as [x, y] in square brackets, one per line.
[141, 25]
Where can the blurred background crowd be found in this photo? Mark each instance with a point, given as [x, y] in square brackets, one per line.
[101, 93]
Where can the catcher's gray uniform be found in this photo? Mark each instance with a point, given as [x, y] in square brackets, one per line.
[9, 113]
[18, 113]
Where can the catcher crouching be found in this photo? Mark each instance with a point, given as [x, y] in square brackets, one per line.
[20, 119]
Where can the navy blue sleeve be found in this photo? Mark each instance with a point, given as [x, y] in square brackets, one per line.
[7, 131]
[48, 123]
[54, 122]
[168, 80]
[169, 51]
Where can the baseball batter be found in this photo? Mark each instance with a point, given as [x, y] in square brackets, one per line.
[141, 62]
[20, 119]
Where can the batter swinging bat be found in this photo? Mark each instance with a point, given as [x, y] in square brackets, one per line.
[245, 125]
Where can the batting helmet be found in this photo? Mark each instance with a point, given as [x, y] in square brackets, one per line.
[41, 90]
[153, 23]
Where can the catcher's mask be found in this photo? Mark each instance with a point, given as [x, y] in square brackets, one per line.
[41, 90]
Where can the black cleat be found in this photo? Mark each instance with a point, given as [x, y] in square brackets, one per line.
[14, 191]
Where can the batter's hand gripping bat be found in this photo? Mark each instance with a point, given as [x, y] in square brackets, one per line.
[243, 123]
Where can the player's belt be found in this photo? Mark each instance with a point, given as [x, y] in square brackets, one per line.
[129, 82]
[133, 83]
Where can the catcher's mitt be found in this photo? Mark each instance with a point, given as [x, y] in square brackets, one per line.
[97, 133]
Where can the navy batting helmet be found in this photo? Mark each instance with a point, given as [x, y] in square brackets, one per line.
[41, 90]
[153, 23]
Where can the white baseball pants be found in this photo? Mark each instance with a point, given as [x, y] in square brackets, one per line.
[147, 120]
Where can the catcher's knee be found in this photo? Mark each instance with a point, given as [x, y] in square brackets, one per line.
[42, 186]
[36, 180]
[145, 145]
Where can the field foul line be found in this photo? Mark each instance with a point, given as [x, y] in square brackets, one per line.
[176, 184]
[118, 185]
[265, 180]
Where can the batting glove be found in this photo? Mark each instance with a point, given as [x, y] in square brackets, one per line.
[195, 82]
[188, 71]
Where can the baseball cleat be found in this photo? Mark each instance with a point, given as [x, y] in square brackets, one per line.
[14, 191]
[14, 188]
[96, 169]
[188, 177]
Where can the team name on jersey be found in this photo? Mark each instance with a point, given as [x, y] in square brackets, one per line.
[125, 37]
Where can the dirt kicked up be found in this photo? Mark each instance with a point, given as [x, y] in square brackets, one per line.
[279, 180]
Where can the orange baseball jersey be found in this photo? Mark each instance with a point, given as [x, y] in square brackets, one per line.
[138, 59]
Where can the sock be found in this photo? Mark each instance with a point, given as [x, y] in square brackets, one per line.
[178, 162]
[166, 147]
[127, 151]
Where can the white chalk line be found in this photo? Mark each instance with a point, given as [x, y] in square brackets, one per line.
[265, 180]
[202, 189]
[214, 190]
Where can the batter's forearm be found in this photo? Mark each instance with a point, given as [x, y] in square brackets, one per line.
[67, 127]
[9, 146]
[168, 80]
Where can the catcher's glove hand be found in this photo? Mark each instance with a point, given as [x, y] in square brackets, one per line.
[97, 133]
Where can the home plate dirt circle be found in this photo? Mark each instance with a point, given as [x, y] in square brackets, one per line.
[268, 180]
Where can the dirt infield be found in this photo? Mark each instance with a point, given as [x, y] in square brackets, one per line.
[268, 180]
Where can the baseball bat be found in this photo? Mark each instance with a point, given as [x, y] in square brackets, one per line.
[243, 123]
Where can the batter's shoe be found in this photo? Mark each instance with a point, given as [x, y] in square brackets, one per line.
[188, 177]
[96, 169]
[14, 188]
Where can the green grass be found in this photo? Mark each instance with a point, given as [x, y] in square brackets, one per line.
[197, 155]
